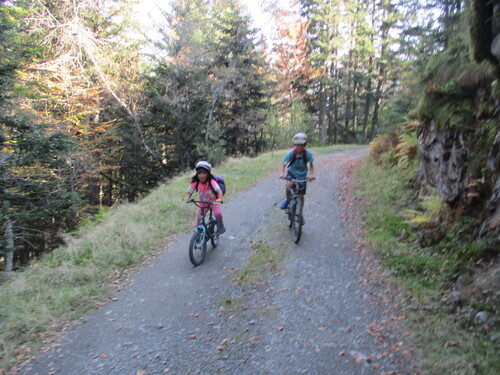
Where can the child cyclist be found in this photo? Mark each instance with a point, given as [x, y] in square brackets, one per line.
[295, 164]
[208, 190]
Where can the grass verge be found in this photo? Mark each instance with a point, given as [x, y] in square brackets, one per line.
[427, 254]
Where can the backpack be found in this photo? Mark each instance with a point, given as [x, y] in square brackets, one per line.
[220, 181]
[294, 157]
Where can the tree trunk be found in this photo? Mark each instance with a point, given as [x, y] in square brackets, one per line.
[376, 107]
[367, 102]
[322, 113]
[355, 107]
[348, 102]
[380, 80]
[9, 256]
[336, 91]
[329, 115]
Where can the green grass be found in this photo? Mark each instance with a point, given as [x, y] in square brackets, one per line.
[425, 262]
[76, 278]
[262, 263]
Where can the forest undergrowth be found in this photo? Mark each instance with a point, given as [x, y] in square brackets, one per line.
[430, 258]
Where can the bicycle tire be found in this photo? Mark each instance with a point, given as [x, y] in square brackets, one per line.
[214, 234]
[297, 221]
[291, 212]
[197, 248]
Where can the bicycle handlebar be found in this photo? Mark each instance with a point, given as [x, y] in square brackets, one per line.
[288, 178]
[197, 203]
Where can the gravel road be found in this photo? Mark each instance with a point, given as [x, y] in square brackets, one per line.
[317, 312]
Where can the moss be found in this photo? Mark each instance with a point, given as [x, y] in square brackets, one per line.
[480, 27]
[446, 113]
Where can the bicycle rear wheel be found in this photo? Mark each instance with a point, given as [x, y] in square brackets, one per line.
[297, 221]
[197, 248]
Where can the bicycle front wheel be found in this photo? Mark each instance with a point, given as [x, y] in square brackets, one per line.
[214, 233]
[197, 248]
[291, 212]
[297, 221]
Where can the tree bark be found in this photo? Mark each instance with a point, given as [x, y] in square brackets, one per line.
[367, 102]
[322, 113]
[9, 256]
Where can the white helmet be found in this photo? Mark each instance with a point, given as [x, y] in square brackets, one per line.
[300, 139]
[205, 165]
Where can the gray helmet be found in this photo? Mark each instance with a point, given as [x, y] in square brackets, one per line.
[204, 164]
[300, 139]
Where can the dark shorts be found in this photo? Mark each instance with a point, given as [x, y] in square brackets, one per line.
[303, 187]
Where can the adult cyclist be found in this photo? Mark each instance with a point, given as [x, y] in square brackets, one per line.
[298, 163]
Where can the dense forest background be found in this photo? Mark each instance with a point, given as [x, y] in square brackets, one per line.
[94, 110]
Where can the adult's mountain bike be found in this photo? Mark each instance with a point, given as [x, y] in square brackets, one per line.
[204, 232]
[295, 207]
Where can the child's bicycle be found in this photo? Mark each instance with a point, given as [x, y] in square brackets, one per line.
[203, 233]
[295, 206]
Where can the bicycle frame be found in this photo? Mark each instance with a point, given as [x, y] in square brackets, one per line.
[297, 185]
[295, 207]
[203, 225]
[203, 232]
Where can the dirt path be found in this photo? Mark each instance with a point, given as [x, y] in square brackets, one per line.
[316, 314]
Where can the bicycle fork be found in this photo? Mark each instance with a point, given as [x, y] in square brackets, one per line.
[201, 228]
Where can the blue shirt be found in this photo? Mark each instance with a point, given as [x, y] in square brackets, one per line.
[298, 169]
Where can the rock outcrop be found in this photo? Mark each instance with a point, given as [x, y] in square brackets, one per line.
[461, 158]
[491, 224]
